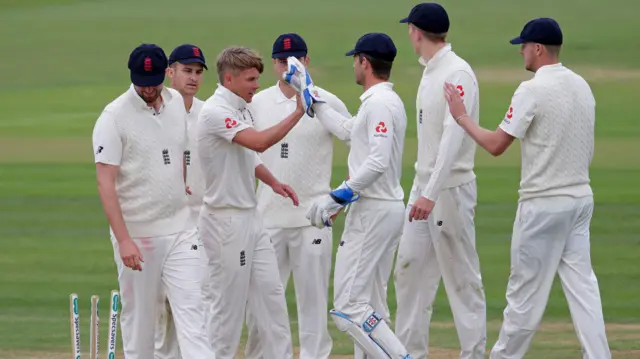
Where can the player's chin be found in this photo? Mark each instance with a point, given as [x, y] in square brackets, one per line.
[249, 96]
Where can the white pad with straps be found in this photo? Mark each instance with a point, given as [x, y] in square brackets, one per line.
[377, 344]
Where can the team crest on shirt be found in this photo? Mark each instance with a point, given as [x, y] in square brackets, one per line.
[187, 157]
[381, 130]
[229, 123]
[165, 157]
[508, 115]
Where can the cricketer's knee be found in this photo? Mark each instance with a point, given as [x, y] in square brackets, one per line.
[371, 333]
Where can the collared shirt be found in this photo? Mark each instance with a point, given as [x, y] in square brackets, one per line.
[195, 177]
[148, 147]
[446, 154]
[553, 115]
[302, 159]
[229, 168]
[377, 141]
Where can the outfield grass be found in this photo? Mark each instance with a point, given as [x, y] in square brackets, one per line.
[64, 60]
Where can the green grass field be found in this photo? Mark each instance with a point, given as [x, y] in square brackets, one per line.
[64, 60]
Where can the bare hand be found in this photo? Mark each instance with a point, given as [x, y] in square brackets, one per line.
[188, 190]
[130, 254]
[453, 97]
[421, 209]
[287, 192]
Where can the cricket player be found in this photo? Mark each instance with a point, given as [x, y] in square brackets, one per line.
[303, 159]
[239, 248]
[553, 115]
[438, 239]
[139, 142]
[186, 68]
[374, 221]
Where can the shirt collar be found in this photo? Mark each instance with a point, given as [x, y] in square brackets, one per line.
[382, 86]
[139, 103]
[280, 97]
[548, 68]
[432, 62]
[234, 100]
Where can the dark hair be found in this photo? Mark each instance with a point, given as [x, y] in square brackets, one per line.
[381, 68]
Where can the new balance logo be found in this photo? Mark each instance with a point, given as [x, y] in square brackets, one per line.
[194, 247]
[100, 148]
[243, 259]
[316, 241]
[165, 157]
[439, 223]
[187, 157]
[284, 150]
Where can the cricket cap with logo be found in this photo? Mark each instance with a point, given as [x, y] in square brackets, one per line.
[187, 54]
[290, 44]
[147, 64]
[543, 30]
[430, 17]
[377, 45]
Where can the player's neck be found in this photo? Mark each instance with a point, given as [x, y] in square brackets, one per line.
[156, 104]
[286, 90]
[429, 50]
[547, 62]
[371, 81]
[188, 102]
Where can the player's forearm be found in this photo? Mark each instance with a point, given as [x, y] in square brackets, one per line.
[333, 121]
[487, 139]
[265, 176]
[112, 209]
[275, 133]
[364, 178]
[449, 146]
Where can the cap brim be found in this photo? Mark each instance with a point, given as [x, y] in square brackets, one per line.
[351, 53]
[517, 41]
[284, 55]
[405, 20]
[193, 60]
[146, 81]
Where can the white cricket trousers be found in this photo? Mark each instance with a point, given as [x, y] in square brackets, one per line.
[166, 336]
[305, 251]
[172, 264]
[551, 235]
[244, 271]
[364, 260]
[443, 246]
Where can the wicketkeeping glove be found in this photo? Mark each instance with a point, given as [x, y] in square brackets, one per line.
[321, 211]
[298, 77]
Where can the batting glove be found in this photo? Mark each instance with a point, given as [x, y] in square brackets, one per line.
[322, 210]
[298, 77]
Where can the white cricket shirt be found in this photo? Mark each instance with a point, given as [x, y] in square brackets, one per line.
[228, 168]
[553, 115]
[195, 177]
[377, 141]
[446, 154]
[302, 159]
[149, 148]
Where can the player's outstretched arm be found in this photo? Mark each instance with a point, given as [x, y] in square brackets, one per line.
[495, 142]
[260, 141]
[335, 122]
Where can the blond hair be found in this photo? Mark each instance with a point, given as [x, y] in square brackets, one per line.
[433, 37]
[236, 59]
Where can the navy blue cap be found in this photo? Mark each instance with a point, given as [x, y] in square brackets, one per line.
[290, 44]
[147, 64]
[376, 45]
[187, 54]
[544, 30]
[429, 17]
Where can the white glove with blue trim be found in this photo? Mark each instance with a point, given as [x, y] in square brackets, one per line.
[322, 210]
[298, 77]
